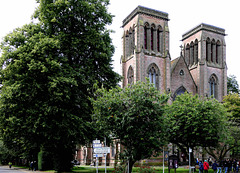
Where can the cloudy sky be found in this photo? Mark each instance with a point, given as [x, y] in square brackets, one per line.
[183, 15]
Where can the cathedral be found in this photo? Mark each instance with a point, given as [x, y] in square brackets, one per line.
[200, 69]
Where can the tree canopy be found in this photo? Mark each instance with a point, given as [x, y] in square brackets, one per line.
[196, 121]
[134, 115]
[232, 84]
[47, 72]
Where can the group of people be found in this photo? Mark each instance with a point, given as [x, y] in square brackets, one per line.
[225, 166]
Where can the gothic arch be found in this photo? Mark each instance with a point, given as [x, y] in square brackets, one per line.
[195, 60]
[187, 54]
[130, 75]
[213, 86]
[160, 39]
[153, 38]
[179, 91]
[208, 50]
[218, 52]
[153, 74]
[146, 28]
[191, 59]
[213, 50]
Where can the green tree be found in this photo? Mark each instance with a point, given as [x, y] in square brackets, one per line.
[134, 115]
[47, 73]
[196, 122]
[231, 141]
[232, 84]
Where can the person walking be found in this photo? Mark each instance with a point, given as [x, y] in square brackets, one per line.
[200, 166]
[205, 166]
[220, 165]
[10, 164]
[225, 165]
[214, 166]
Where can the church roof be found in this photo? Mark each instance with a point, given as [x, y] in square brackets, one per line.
[147, 11]
[174, 63]
[205, 27]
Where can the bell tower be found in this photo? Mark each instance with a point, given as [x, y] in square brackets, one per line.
[205, 55]
[145, 43]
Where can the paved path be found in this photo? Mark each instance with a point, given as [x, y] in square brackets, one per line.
[6, 169]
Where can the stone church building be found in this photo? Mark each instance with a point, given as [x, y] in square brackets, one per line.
[201, 68]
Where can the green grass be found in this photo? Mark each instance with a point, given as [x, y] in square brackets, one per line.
[135, 169]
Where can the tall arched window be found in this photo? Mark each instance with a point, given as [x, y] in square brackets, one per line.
[191, 59]
[195, 52]
[146, 26]
[208, 49]
[213, 86]
[218, 51]
[213, 51]
[153, 75]
[130, 75]
[159, 39]
[133, 40]
[187, 54]
[153, 38]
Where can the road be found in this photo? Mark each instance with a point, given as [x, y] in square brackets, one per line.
[6, 169]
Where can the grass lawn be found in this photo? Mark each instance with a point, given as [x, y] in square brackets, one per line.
[135, 169]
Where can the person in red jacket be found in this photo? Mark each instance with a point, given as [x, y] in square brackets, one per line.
[205, 166]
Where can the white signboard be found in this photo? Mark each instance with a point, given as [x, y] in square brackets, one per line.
[101, 150]
[97, 145]
[96, 142]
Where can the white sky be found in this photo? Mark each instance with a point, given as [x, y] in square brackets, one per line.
[183, 15]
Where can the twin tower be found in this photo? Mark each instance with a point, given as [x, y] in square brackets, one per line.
[201, 68]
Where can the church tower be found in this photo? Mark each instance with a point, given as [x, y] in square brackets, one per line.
[146, 48]
[204, 52]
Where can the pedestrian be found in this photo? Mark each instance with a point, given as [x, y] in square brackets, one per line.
[214, 166]
[35, 165]
[205, 166]
[10, 164]
[237, 167]
[220, 165]
[200, 166]
[225, 165]
[31, 165]
[234, 165]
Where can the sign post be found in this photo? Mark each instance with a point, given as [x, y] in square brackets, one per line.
[99, 151]
[96, 144]
[190, 150]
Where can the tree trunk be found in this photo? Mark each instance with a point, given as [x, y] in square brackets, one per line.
[130, 165]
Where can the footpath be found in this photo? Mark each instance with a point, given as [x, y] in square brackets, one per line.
[24, 170]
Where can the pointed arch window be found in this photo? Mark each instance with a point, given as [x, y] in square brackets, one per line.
[208, 50]
[213, 86]
[218, 51]
[146, 26]
[191, 59]
[130, 75]
[152, 38]
[159, 39]
[179, 91]
[195, 52]
[213, 51]
[153, 75]
[187, 54]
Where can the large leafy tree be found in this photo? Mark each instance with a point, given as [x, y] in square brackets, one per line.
[232, 84]
[134, 115]
[230, 142]
[47, 73]
[196, 122]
